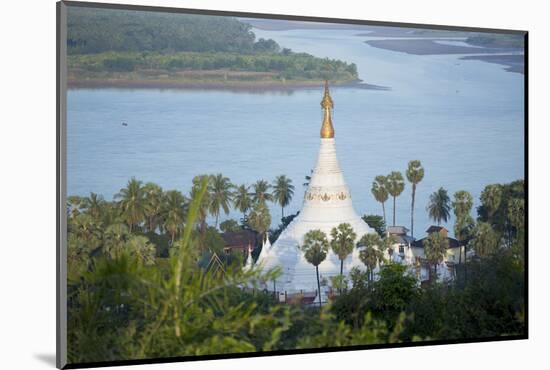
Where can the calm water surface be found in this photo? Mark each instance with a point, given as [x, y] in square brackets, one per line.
[462, 119]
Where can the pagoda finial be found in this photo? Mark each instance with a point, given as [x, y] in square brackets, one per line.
[327, 131]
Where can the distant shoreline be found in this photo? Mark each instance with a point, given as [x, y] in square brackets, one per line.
[429, 47]
[214, 85]
[502, 56]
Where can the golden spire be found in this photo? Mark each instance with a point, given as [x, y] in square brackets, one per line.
[327, 131]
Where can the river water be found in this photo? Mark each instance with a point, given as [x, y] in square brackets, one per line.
[462, 119]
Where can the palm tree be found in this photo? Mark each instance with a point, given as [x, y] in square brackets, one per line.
[516, 213]
[173, 213]
[439, 208]
[220, 195]
[241, 199]
[370, 255]
[491, 198]
[485, 240]
[202, 210]
[315, 248]
[435, 248]
[463, 203]
[464, 223]
[380, 192]
[85, 227]
[415, 174]
[283, 191]
[259, 219]
[93, 205]
[116, 237]
[132, 203]
[140, 247]
[395, 186]
[261, 191]
[342, 242]
[464, 226]
[153, 204]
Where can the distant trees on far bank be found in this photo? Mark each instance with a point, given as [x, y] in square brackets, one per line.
[105, 40]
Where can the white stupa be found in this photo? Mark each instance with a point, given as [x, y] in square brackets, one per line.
[327, 203]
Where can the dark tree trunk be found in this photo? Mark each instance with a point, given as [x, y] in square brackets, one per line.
[341, 274]
[282, 212]
[412, 209]
[384, 213]
[318, 285]
[393, 211]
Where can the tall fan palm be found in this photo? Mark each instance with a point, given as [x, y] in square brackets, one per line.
[439, 208]
[464, 227]
[485, 240]
[220, 189]
[173, 213]
[395, 186]
[462, 203]
[153, 205]
[435, 248]
[342, 242]
[491, 198]
[241, 199]
[283, 191]
[115, 237]
[380, 192]
[132, 203]
[370, 255]
[415, 174]
[464, 223]
[315, 248]
[261, 191]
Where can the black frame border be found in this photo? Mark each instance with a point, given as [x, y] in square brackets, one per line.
[61, 91]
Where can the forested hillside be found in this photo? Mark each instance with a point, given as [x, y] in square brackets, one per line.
[131, 47]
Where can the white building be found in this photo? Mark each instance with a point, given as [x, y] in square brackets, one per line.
[327, 203]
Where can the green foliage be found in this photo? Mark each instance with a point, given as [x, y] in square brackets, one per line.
[380, 191]
[99, 30]
[220, 189]
[241, 199]
[439, 208]
[230, 226]
[485, 240]
[371, 254]
[315, 247]
[376, 222]
[342, 242]
[283, 191]
[435, 248]
[261, 192]
[499, 217]
[395, 184]
[132, 45]
[415, 174]
[259, 218]
[127, 301]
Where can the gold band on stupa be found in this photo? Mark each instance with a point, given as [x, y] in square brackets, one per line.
[327, 130]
